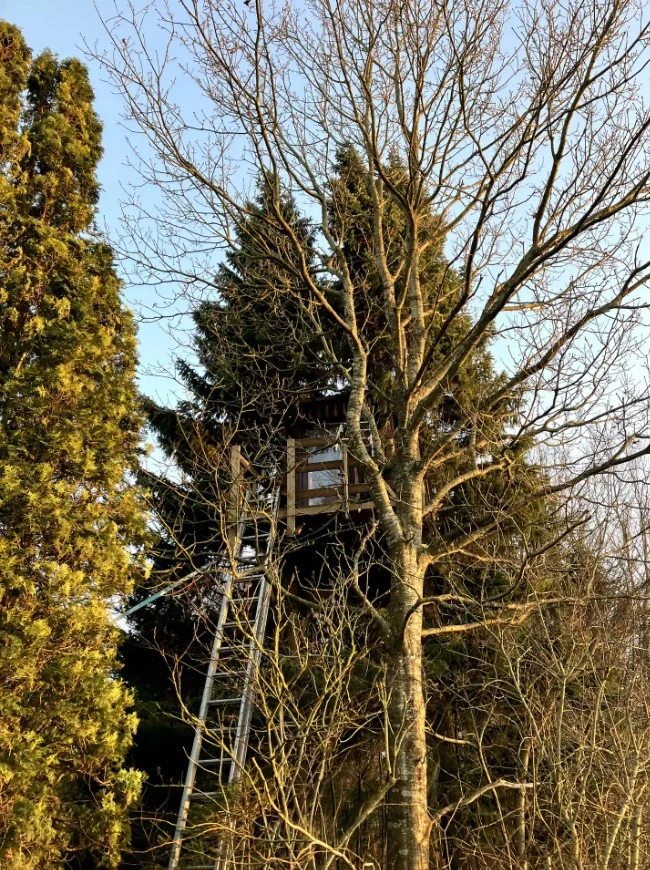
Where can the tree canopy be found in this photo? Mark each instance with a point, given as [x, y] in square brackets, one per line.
[494, 199]
[71, 521]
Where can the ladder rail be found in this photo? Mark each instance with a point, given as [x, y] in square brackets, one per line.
[253, 656]
[199, 730]
[255, 653]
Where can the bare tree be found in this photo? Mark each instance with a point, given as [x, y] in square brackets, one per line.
[321, 753]
[522, 128]
[570, 692]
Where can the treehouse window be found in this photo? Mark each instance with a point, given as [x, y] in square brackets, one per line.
[321, 478]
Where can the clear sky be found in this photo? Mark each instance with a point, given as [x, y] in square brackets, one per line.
[62, 26]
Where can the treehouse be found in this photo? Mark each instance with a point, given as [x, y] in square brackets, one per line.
[322, 475]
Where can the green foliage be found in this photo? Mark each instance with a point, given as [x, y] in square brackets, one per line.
[255, 353]
[260, 355]
[254, 339]
[70, 522]
[255, 356]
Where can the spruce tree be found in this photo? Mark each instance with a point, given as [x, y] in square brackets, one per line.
[249, 340]
[71, 521]
[258, 360]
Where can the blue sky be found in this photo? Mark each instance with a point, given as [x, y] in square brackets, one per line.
[62, 26]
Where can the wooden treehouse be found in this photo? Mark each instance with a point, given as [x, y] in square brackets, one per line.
[319, 475]
[322, 476]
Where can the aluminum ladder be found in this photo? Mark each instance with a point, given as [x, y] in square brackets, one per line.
[223, 725]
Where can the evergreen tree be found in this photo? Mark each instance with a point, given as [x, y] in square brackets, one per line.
[70, 518]
[258, 360]
[250, 342]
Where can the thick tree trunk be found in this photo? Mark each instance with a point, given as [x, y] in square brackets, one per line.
[408, 818]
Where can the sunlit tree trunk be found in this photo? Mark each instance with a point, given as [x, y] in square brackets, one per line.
[408, 818]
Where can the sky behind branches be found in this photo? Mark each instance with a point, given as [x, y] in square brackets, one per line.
[64, 26]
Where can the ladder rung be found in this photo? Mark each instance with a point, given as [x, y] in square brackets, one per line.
[222, 702]
[222, 728]
[231, 674]
[242, 623]
[211, 761]
[204, 795]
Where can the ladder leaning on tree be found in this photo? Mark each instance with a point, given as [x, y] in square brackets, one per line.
[223, 724]
[321, 477]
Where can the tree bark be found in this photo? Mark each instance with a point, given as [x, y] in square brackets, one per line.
[408, 817]
[635, 838]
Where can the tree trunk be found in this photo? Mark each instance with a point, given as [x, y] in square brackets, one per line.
[521, 821]
[408, 817]
[635, 838]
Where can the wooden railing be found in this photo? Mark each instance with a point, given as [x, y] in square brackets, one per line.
[343, 495]
[349, 492]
